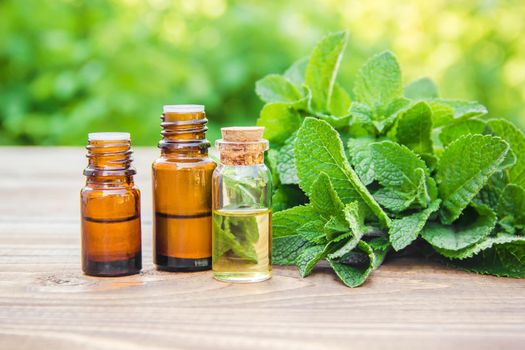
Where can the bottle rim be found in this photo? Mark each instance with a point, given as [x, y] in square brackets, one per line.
[189, 108]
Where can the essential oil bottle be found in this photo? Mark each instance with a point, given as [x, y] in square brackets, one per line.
[182, 191]
[110, 208]
[242, 218]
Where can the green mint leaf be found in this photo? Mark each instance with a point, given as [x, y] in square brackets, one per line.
[335, 227]
[313, 232]
[280, 121]
[405, 230]
[237, 235]
[414, 128]
[353, 269]
[447, 111]
[379, 81]
[309, 258]
[287, 196]
[503, 255]
[287, 243]
[296, 72]
[276, 88]
[361, 159]
[286, 222]
[324, 198]
[340, 102]
[285, 160]
[286, 249]
[453, 132]
[380, 246]
[491, 192]
[463, 234]
[322, 69]
[355, 217]
[464, 167]
[511, 204]
[396, 168]
[384, 118]
[421, 88]
[394, 200]
[318, 148]
[516, 140]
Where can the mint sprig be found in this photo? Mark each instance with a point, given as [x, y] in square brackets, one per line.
[364, 174]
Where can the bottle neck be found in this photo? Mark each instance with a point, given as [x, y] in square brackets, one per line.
[184, 135]
[109, 162]
[242, 152]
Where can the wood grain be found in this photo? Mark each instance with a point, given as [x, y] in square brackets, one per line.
[46, 302]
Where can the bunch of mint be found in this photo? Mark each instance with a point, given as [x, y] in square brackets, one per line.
[361, 177]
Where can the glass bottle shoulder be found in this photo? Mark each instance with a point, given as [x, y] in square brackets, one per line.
[179, 163]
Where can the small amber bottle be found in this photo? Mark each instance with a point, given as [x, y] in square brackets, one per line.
[182, 191]
[110, 208]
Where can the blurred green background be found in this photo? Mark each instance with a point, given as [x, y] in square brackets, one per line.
[70, 67]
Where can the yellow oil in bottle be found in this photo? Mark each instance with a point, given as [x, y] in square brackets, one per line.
[242, 245]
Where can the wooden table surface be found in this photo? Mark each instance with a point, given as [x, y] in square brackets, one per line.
[46, 302]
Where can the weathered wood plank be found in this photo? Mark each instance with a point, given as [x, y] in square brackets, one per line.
[45, 301]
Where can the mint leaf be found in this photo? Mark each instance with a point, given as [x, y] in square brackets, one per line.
[447, 111]
[516, 140]
[287, 196]
[340, 102]
[324, 199]
[378, 82]
[318, 148]
[354, 268]
[461, 235]
[421, 88]
[396, 168]
[280, 121]
[286, 222]
[286, 249]
[296, 72]
[503, 255]
[361, 158]
[394, 200]
[286, 162]
[276, 88]
[355, 218]
[405, 230]
[453, 132]
[414, 127]
[287, 243]
[313, 232]
[322, 69]
[309, 258]
[464, 167]
[511, 204]
[384, 117]
[237, 235]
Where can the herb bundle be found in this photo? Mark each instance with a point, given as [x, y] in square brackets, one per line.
[393, 166]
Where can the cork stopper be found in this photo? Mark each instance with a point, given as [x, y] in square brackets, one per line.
[242, 133]
[242, 145]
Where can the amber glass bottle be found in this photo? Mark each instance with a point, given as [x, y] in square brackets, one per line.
[110, 208]
[182, 191]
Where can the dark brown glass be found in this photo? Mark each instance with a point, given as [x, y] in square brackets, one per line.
[182, 194]
[110, 207]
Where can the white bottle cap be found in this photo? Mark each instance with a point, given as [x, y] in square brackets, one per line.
[183, 109]
[109, 136]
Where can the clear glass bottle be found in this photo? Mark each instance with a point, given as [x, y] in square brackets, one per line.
[182, 191]
[242, 207]
[110, 208]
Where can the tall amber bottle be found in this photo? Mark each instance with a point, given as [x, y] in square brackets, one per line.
[182, 191]
[110, 208]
